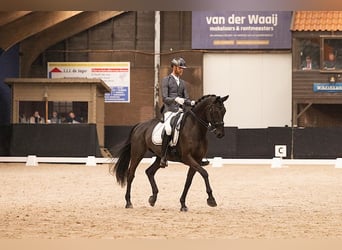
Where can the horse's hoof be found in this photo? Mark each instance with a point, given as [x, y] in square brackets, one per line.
[184, 209]
[129, 206]
[204, 163]
[152, 200]
[211, 202]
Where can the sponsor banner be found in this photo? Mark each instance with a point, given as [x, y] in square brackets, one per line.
[241, 29]
[327, 87]
[115, 74]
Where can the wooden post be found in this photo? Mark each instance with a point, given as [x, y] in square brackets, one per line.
[156, 61]
[46, 105]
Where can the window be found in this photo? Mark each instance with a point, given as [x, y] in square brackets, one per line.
[32, 112]
[332, 53]
[322, 53]
[42, 112]
[309, 56]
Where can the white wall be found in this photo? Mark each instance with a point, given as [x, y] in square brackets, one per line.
[259, 87]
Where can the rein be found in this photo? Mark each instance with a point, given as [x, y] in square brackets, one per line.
[205, 124]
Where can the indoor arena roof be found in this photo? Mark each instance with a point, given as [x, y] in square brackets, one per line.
[53, 26]
[317, 21]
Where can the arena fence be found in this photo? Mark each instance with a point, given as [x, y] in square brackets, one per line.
[259, 143]
[275, 162]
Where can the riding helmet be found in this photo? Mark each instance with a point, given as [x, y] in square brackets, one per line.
[180, 62]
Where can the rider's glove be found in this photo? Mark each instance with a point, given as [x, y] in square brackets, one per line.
[179, 100]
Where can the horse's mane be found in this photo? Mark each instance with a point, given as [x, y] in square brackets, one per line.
[203, 98]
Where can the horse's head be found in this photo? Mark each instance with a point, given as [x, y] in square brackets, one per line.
[213, 111]
[215, 115]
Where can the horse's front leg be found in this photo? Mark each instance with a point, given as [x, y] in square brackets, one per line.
[211, 200]
[150, 172]
[197, 167]
[189, 177]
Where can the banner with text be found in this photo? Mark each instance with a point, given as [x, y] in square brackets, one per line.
[115, 74]
[327, 87]
[241, 29]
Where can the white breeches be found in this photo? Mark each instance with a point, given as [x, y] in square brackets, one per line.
[167, 120]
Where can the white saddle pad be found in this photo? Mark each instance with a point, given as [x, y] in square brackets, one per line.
[157, 132]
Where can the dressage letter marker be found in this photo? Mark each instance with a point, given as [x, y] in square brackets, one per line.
[32, 160]
[280, 151]
[338, 163]
[217, 162]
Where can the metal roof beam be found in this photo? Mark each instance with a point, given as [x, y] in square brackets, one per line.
[35, 45]
[10, 16]
[28, 25]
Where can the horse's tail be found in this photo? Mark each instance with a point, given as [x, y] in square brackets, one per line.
[123, 155]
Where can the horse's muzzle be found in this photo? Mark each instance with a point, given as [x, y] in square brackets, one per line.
[219, 133]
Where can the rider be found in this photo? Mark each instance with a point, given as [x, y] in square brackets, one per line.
[174, 95]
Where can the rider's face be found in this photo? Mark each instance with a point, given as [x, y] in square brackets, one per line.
[178, 71]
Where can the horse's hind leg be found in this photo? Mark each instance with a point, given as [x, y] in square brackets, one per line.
[150, 172]
[130, 176]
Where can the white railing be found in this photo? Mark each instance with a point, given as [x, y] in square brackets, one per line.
[276, 162]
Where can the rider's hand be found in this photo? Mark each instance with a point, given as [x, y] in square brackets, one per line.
[192, 103]
[180, 100]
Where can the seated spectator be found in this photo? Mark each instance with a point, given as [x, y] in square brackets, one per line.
[308, 64]
[55, 118]
[23, 119]
[71, 118]
[330, 64]
[36, 118]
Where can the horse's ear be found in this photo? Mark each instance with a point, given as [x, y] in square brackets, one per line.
[223, 99]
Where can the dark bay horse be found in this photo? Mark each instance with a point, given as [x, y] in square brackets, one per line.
[206, 115]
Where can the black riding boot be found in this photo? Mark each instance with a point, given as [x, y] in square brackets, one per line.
[165, 144]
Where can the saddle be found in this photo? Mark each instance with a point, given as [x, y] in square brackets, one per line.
[159, 130]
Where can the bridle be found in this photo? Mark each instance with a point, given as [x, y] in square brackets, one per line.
[211, 126]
